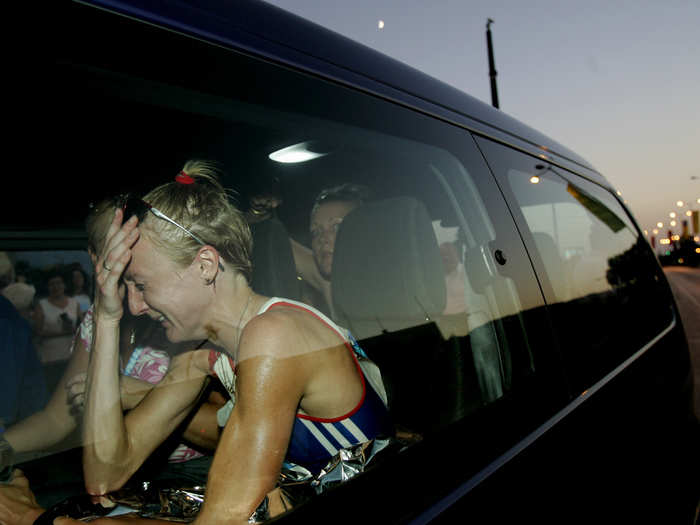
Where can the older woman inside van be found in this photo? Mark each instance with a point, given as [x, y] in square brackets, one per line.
[314, 265]
[184, 254]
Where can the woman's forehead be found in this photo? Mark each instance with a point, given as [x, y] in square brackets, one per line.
[147, 260]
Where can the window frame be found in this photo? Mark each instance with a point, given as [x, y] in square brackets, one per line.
[578, 385]
[552, 393]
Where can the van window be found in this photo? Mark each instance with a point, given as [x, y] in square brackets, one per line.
[382, 218]
[601, 281]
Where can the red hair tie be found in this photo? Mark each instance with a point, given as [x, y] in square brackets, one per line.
[184, 178]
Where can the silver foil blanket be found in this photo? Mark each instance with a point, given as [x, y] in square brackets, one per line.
[150, 500]
[297, 484]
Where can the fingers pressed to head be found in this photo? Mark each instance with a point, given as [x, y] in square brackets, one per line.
[117, 233]
[118, 252]
[114, 227]
[117, 260]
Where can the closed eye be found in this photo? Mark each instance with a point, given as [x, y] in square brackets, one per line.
[139, 287]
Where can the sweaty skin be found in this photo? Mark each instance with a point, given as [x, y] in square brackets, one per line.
[287, 362]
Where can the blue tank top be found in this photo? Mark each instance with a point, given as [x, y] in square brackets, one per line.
[314, 441]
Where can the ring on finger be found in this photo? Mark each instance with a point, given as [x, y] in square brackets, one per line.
[106, 267]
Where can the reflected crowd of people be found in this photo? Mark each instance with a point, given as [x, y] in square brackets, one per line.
[53, 300]
[150, 267]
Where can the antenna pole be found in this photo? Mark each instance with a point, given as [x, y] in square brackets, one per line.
[492, 65]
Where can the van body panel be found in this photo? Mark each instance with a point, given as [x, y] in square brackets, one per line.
[267, 30]
[523, 415]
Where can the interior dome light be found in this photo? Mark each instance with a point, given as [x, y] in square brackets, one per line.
[296, 153]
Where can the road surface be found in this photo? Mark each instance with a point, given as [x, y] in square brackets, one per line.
[685, 283]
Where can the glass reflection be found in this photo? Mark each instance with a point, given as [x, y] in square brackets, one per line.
[576, 233]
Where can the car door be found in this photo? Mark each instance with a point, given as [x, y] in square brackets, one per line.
[626, 440]
[430, 274]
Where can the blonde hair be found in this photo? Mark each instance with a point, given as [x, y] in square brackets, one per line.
[97, 224]
[203, 207]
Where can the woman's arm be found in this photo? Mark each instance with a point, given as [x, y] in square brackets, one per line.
[133, 391]
[104, 433]
[306, 266]
[254, 442]
[54, 422]
[116, 445]
[202, 431]
[18, 506]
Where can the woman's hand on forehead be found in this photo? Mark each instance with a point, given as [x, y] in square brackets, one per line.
[110, 266]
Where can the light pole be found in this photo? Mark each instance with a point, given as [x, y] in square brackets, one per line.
[689, 215]
[492, 66]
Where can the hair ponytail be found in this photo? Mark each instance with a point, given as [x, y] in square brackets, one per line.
[197, 200]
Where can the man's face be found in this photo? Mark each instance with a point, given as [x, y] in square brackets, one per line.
[324, 227]
[167, 293]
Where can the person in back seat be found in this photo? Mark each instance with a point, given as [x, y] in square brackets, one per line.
[315, 265]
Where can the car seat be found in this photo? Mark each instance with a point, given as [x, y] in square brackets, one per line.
[274, 271]
[387, 268]
[389, 289]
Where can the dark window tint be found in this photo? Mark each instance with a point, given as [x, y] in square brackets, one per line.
[600, 278]
[426, 269]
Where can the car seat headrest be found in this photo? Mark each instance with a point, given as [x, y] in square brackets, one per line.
[274, 272]
[387, 269]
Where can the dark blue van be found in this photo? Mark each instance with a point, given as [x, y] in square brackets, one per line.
[534, 360]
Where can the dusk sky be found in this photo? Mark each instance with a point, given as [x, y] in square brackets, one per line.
[616, 81]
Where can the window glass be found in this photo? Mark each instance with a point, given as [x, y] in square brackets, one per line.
[601, 280]
[52, 293]
[383, 219]
[583, 227]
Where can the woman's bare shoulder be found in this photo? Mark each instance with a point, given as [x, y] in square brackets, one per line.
[280, 332]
